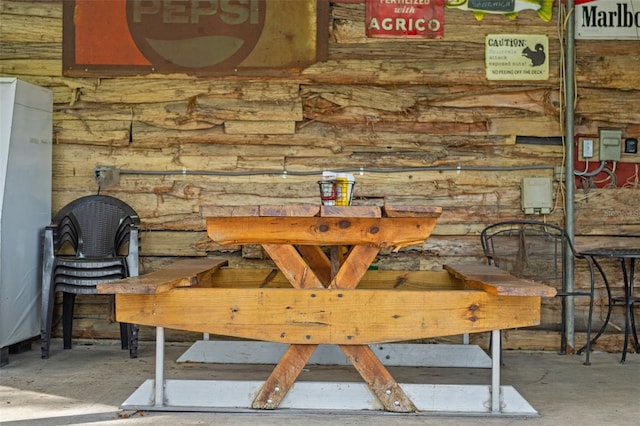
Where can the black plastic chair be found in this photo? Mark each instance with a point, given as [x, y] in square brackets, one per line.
[91, 240]
[537, 251]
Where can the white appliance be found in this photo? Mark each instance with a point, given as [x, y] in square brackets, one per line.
[25, 206]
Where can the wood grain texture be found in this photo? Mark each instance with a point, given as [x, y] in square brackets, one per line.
[498, 282]
[283, 376]
[185, 273]
[378, 378]
[327, 316]
[381, 232]
[397, 104]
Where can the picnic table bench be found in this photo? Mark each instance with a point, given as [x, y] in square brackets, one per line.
[312, 299]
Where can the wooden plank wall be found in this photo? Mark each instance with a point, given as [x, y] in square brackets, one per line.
[391, 104]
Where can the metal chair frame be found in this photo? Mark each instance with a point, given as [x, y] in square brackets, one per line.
[553, 244]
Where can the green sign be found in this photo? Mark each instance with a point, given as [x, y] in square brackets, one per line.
[493, 5]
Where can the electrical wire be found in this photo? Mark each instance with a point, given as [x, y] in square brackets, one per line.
[562, 20]
[633, 181]
[592, 173]
[611, 178]
[360, 170]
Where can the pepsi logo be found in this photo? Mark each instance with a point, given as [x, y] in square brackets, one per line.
[196, 34]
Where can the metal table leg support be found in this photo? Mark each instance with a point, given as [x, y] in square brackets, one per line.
[159, 383]
[609, 308]
[495, 371]
[159, 394]
[629, 321]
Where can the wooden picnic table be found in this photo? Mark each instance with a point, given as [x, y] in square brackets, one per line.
[328, 294]
[293, 236]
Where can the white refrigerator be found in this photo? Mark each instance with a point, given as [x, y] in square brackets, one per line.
[25, 206]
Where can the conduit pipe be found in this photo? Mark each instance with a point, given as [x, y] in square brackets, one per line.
[569, 88]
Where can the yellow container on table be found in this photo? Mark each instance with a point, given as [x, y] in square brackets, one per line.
[343, 192]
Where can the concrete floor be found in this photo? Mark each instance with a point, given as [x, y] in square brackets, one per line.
[87, 384]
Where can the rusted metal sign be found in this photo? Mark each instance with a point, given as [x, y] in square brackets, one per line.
[405, 18]
[121, 37]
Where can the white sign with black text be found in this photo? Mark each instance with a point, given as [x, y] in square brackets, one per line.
[607, 19]
[517, 56]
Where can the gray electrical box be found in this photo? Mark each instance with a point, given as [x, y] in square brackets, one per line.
[610, 144]
[537, 195]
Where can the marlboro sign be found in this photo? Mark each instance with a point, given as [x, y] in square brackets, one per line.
[607, 19]
[405, 18]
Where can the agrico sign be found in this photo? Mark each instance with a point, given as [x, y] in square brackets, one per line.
[405, 18]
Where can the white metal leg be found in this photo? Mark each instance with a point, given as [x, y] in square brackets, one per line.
[159, 385]
[237, 395]
[495, 371]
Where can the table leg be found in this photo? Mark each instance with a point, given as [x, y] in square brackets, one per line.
[318, 261]
[626, 310]
[609, 307]
[337, 259]
[159, 381]
[632, 300]
[346, 273]
[293, 265]
[354, 267]
[629, 319]
[633, 325]
[283, 376]
[496, 342]
[378, 378]
[300, 275]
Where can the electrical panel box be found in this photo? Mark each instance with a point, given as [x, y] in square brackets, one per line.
[537, 195]
[610, 144]
[627, 148]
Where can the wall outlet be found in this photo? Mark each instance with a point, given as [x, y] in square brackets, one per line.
[106, 176]
[594, 145]
[587, 148]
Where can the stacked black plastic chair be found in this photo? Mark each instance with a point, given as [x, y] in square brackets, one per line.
[92, 240]
[538, 251]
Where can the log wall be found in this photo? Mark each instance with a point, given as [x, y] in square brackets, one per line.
[422, 111]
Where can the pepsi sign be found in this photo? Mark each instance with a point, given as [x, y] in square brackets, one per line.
[107, 37]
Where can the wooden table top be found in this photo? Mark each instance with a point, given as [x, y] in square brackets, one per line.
[388, 226]
[313, 210]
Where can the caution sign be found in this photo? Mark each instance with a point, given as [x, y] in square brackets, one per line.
[517, 57]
